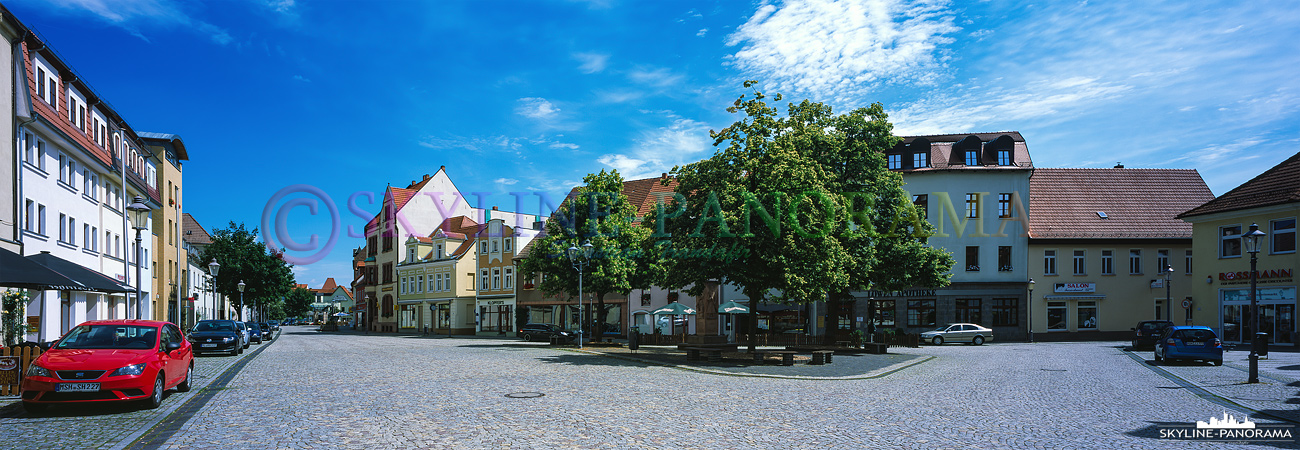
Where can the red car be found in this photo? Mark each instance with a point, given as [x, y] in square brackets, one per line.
[111, 360]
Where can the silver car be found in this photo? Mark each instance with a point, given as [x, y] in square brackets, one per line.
[958, 332]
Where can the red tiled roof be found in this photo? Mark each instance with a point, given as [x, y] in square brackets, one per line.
[193, 232]
[330, 284]
[1278, 185]
[1138, 203]
[400, 198]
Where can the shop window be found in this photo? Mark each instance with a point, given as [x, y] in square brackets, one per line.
[1056, 316]
[920, 313]
[885, 313]
[1087, 314]
[968, 311]
[1230, 241]
[1006, 312]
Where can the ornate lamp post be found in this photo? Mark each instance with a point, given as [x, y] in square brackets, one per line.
[241, 297]
[1251, 241]
[580, 259]
[213, 268]
[1169, 300]
[1031, 310]
[139, 214]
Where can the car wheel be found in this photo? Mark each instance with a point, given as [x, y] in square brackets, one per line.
[189, 377]
[155, 399]
[35, 408]
[1157, 355]
[979, 340]
[938, 340]
[528, 337]
[1218, 362]
[241, 350]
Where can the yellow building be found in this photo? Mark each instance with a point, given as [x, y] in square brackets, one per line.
[1107, 251]
[170, 274]
[436, 280]
[1271, 202]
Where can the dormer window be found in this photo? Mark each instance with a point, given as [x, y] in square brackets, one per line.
[895, 161]
[410, 255]
[506, 245]
[972, 157]
[1004, 157]
[439, 251]
[920, 160]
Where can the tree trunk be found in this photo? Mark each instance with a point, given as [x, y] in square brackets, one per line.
[599, 316]
[754, 298]
[832, 318]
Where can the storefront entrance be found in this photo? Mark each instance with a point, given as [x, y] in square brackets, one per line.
[1277, 314]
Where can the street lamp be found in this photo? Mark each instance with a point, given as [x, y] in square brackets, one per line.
[1031, 310]
[241, 297]
[1251, 242]
[213, 268]
[1169, 300]
[580, 259]
[139, 214]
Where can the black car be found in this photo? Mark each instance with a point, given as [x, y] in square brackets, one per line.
[216, 336]
[254, 332]
[268, 333]
[1148, 332]
[543, 332]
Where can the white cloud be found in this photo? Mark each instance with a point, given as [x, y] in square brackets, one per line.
[840, 49]
[301, 78]
[129, 14]
[563, 145]
[658, 77]
[1041, 101]
[280, 6]
[622, 163]
[505, 181]
[536, 108]
[656, 150]
[591, 62]
[702, 32]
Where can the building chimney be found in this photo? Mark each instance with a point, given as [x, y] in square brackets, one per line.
[442, 168]
[494, 208]
[426, 177]
[663, 176]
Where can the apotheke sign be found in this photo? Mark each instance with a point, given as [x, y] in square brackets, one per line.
[1076, 287]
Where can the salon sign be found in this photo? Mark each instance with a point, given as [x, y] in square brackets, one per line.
[1076, 287]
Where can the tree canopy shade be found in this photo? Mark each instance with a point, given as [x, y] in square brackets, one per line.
[298, 302]
[598, 213]
[265, 274]
[793, 208]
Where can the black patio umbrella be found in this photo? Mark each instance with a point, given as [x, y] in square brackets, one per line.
[19, 272]
[89, 279]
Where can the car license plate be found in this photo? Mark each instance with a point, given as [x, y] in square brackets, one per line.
[208, 345]
[1191, 343]
[76, 387]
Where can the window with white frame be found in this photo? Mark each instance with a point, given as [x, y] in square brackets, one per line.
[972, 206]
[94, 236]
[505, 244]
[482, 247]
[40, 155]
[63, 227]
[1188, 261]
[510, 275]
[437, 278]
[1080, 262]
[1107, 262]
[403, 283]
[1230, 241]
[72, 230]
[40, 218]
[419, 283]
[63, 168]
[29, 218]
[1283, 235]
[85, 236]
[1135, 262]
[1086, 311]
[483, 279]
[895, 161]
[29, 148]
[496, 279]
[496, 244]
[1049, 262]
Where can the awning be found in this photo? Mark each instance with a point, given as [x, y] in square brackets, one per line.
[733, 308]
[674, 309]
[1076, 297]
[19, 272]
[92, 280]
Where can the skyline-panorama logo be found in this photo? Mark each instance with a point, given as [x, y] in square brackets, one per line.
[1229, 428]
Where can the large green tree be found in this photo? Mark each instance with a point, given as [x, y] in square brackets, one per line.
[598, 213]
[265, 274]
[792, 207]
[297, 302]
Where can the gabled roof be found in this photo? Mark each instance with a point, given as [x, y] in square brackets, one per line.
[946, 151]
[1276, 186]
[1137, 203]
[193, 232]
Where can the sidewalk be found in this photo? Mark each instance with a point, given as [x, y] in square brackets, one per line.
[1276, 396]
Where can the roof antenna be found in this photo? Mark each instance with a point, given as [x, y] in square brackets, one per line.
[1119, 165]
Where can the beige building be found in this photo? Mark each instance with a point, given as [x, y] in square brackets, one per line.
[171, 273]
[1270, 202]
[9, 200]
[436, 281]
[1102, 243]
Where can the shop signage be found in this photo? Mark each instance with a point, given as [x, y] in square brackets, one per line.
[907, 293]
[1076, 287]
[1262, 275]
[8, 370]
[495, 302]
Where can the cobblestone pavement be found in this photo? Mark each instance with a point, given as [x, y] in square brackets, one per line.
[100, 426]
[356, 391]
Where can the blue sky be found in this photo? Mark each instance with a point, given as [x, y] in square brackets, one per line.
[529, 96]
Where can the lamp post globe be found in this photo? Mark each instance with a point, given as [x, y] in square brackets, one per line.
[1031, 310]
[138, 212]
[1169, 300]
[1251, 241]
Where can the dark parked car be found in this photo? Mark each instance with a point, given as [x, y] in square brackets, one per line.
[216, 336]
[267, 332]
[1147, 332]
[543, 332]
[1190, 343]
[275, 324]
[243, 329]
[254, 332]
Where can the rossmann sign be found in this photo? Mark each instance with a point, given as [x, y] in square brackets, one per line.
[1260, 275]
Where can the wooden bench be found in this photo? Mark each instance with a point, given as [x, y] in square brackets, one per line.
[787, 356]
[820, 357]
[876, 348]
[693, 353]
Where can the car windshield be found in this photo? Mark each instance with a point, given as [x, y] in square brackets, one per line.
[109, 336]
[944, 328]
[1154, 325]
[214, 326]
